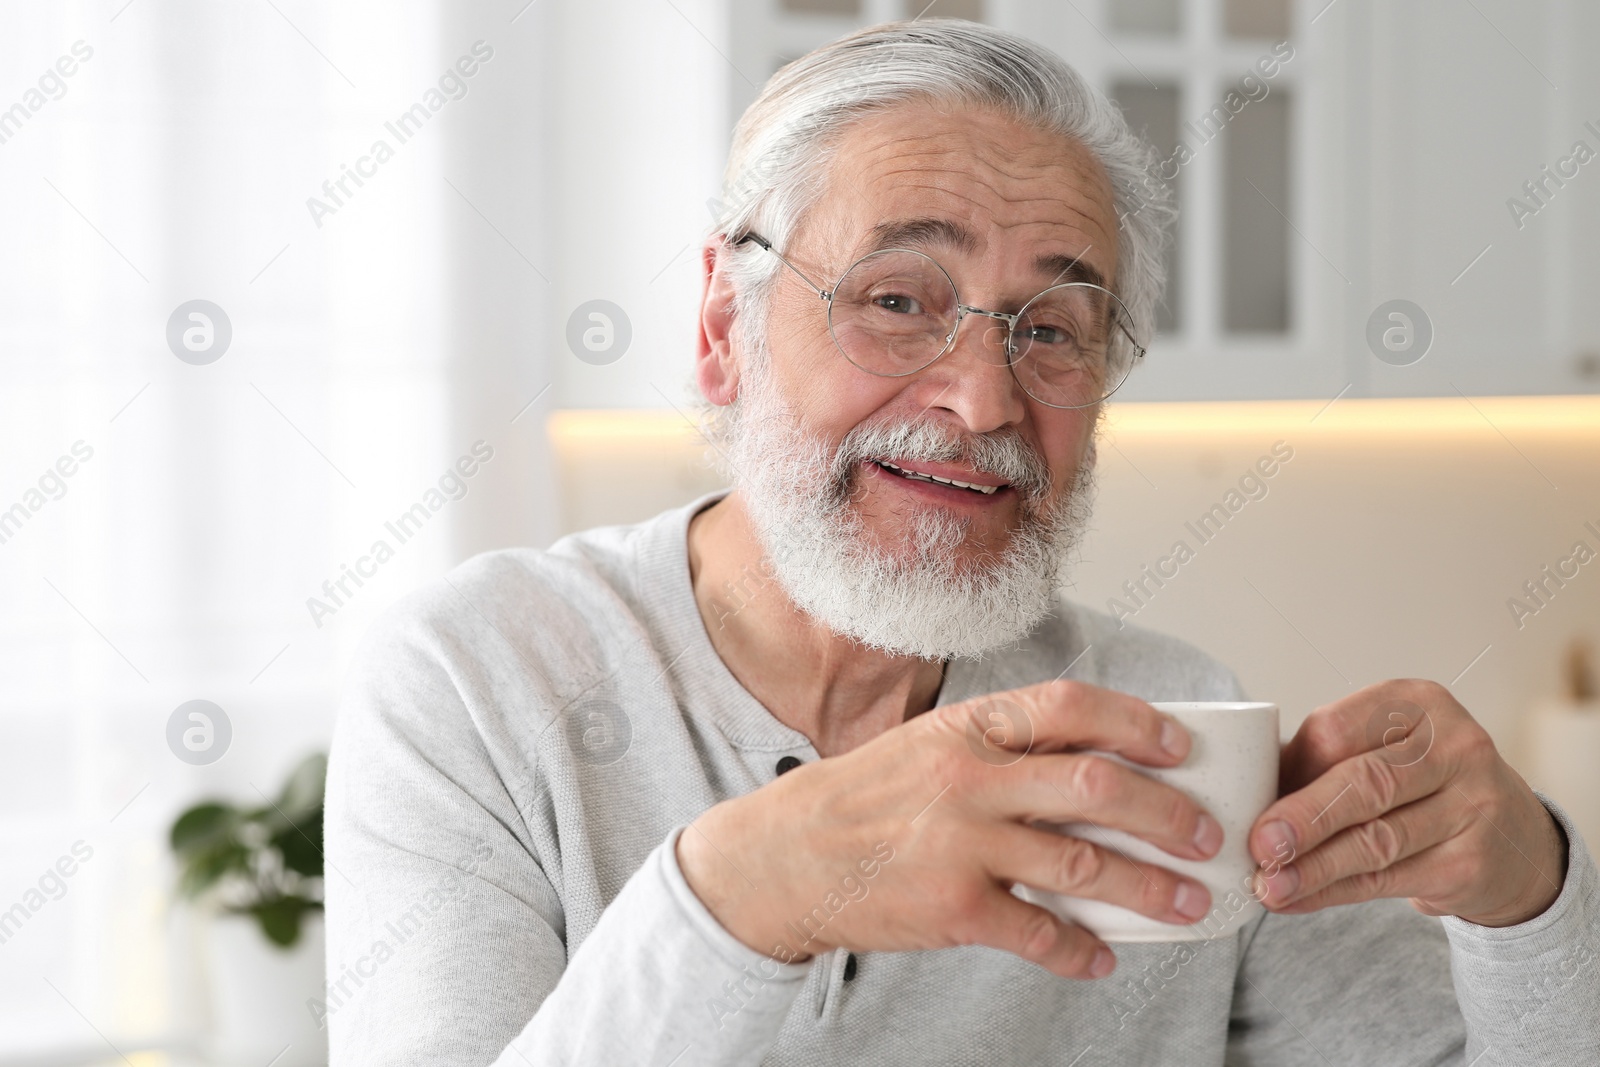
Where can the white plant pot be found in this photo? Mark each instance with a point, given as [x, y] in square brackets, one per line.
[258, 994]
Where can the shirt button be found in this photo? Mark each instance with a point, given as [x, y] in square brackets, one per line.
[787, 764]
[850, 967]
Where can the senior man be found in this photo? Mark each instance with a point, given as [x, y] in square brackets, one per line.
[705, 790]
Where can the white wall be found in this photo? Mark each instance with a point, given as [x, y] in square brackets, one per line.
[639, 135]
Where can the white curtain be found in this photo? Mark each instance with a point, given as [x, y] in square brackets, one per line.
[371, 346]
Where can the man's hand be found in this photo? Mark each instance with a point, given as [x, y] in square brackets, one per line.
[1395, 791]
[913, 840]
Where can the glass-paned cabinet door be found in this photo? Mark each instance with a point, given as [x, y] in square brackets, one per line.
[1212, 86]
[1328, 158]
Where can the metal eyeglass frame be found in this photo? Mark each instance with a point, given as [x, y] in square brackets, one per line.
[962, 311]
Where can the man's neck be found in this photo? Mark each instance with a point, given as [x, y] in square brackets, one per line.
[834, 691]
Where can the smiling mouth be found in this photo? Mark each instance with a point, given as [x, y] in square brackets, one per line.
[918, 476]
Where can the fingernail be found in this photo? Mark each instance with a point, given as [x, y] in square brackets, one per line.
[1104, 963]
[1208, 835]
[1174, 740]
[1282, 886]
[1189, 901]
[1278, 835]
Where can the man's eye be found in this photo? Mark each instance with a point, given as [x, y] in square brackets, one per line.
[1048, 335]
[898, 303]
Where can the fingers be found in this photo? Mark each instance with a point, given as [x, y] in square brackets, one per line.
[1330, 734]
[1022, 772]
[1034, 934]
[1077, 868]
[1364, 849]
[1093, 789]
[1415, 876]
[1395, 716]
[1057, 715]
[1352, 792]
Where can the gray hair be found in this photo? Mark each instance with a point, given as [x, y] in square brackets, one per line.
[785, 140]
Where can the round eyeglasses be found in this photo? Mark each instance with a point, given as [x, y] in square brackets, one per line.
[895, 311]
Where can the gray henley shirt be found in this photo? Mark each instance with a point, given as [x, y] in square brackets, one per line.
[521, 743]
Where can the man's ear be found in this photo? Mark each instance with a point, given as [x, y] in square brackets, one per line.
[716, 369]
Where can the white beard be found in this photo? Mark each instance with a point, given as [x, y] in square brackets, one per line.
[923, 597]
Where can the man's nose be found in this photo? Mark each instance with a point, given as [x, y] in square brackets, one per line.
[973, 380]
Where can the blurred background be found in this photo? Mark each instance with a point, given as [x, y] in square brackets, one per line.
[275, 273]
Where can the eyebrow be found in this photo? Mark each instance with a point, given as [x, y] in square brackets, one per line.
[927, 230]
[922, 230]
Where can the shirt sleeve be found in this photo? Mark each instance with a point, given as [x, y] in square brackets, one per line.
[1381, 983]
[446, 936]
[1531, 993]
[661, 981]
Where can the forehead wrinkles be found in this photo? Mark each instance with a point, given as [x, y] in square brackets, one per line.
[1010, 176]
[1017, 162]
[1012, 168]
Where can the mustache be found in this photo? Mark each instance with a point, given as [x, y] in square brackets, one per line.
[1003, 454]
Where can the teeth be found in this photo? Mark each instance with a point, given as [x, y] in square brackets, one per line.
[986, 490]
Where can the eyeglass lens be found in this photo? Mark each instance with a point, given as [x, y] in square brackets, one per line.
[894, 312]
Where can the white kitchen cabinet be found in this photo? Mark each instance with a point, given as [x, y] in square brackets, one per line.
[1378, 163]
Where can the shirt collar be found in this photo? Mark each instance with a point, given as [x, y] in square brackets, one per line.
[706, 689]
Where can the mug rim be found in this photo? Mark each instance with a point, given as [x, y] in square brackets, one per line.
[1213, 705]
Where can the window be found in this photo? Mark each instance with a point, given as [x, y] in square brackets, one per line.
[1211, 86]
[1160, 18]
[1153, 110]
[1223, 90]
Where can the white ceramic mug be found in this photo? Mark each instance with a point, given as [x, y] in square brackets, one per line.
[1232, 772]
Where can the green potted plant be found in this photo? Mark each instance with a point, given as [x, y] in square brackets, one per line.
[263, 861]
[254, 876]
